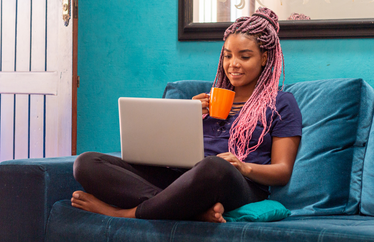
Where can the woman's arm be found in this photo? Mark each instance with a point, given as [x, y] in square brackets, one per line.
[283, 155]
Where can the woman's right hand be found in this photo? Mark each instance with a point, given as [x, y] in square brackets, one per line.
[204, 98]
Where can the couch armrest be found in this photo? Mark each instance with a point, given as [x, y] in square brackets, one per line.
[28, 189]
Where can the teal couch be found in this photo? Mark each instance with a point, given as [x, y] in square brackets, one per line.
[330, 194]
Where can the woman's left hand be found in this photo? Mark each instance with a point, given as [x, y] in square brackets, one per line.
[230, 157]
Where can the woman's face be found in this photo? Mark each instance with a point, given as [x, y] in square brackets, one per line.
[243, 61]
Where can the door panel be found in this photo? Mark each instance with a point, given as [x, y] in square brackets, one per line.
[8, 58]
[38, 59]
[35, 80]
[21, 122]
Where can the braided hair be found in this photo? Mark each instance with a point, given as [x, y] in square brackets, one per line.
[263, 26]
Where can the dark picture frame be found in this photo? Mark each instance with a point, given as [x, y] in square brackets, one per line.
[289, 29]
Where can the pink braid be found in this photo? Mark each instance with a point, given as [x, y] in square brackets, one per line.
[263, 25]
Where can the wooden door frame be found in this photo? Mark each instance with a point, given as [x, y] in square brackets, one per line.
[75, 83]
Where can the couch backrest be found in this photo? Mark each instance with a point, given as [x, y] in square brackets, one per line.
[327, 176]
[367, 193]
[337, 116]
[186, 89]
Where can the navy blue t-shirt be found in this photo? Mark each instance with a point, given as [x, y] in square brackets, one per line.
[286, 124]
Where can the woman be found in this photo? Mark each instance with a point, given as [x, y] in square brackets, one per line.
[255, 147]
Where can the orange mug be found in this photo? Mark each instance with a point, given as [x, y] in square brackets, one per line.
[220, 102]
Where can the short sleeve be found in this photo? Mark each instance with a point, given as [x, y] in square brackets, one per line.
[287, 121]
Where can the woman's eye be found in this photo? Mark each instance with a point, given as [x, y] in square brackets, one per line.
[246, 57]
[227, 56]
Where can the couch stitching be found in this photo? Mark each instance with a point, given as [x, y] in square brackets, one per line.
[321, 234]
[173, 230]
[107, 229]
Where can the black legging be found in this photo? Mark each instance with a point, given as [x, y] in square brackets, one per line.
[165, 193]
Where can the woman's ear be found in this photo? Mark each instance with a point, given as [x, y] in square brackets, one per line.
[264, 58]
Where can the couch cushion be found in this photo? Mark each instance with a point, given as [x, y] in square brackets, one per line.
[367, 197]
[67, 223]
[186, 89]
[337, 116]
[71, 224]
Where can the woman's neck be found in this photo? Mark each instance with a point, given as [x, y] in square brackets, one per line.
[242, 94]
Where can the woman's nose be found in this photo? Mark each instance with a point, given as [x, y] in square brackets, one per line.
[234, 62]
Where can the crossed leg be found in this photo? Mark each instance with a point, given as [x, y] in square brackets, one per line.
[90, 203]
[117, 189]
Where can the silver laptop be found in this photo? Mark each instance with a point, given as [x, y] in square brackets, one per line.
[161, 132]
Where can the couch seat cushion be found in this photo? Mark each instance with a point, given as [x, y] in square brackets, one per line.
[71, 224]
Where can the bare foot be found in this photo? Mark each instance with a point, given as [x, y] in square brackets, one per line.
[214, 214]
[90, 203]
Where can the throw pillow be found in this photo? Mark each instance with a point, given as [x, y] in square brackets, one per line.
[264, 211]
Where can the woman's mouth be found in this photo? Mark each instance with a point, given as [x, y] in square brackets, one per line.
[236, 74]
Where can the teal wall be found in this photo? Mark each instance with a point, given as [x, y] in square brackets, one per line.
[130, 48]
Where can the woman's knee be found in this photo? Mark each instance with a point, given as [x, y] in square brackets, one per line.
[215, 169]
[82, 165]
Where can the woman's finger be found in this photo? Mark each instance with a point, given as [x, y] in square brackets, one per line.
[200, 96]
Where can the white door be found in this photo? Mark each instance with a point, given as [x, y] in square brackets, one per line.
[35, 79]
